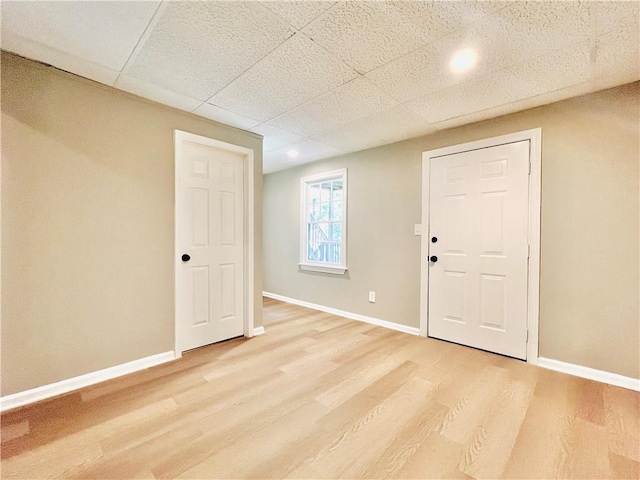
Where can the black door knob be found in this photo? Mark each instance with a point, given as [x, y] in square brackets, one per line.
[433, 258]
[434, 239]
[186, 258]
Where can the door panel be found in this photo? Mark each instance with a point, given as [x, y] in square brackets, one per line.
[201, 286]
[200, 221]
[211, 231]
[454, 296]
[478, 205]
[227, 291]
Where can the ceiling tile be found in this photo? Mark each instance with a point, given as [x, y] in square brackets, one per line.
[435, 19]
[554, 96]
[484, 7]
[308, 151]
[618, 52]
[477, 116]
[426, 70]
[298, 13]
[155, 93]
[350, 101]
[528, 29]
[63, 61]
[614, 15]
[364, 35]
[498, 43]
[555, 70]
[293, 74]
[517, 106]
[397, 123]
[80, 29]
[610, 81]
[243, 63]
[369, 34]
[506, 39]
[196, 48]
[275, 137]
[473, 96]
[212, 112]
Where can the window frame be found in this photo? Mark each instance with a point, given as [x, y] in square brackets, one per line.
[305, 264]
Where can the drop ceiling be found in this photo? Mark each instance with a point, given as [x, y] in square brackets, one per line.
[325, 78]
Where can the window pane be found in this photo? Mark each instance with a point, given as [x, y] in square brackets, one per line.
[314, 212]
[337, 208]
[318, 251]
[311, 232]
[334, 253]
[325, 192]
[313, 193]
[323, 232]
[336, 232]
[318, 232]
[325, 210]
[324, 228]
[322, 253]
[337, 190]
[311, 252]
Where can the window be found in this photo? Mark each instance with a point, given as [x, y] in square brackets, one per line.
[323, 236]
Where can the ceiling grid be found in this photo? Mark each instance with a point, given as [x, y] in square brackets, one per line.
[328, 77]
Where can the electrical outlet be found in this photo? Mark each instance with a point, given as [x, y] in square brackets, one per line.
[417, 229]
[372, 297]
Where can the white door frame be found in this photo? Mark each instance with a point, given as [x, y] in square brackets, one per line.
[249, 236]
[533, 295]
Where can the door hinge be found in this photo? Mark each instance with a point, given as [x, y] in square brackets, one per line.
[527, 335]
[529, 168]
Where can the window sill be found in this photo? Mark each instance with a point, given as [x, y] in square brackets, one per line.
[335, 270]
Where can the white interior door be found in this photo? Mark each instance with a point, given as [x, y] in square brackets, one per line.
[210, 237]
[478, 246]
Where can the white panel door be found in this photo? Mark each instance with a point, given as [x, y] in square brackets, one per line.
[210, 223]
[478, 248]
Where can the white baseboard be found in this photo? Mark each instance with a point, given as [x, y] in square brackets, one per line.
[65, 386]
[558, 366]
[590, 373]
[258, 331]
[342, 313]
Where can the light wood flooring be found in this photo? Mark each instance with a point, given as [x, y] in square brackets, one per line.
[319, 396]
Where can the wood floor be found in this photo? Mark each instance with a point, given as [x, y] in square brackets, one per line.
[319, 396]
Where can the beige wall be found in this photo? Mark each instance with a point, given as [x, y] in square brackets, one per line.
[589, 298]
[87, 224]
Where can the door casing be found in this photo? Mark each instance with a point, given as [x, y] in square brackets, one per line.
[248, 225]
[533, 290]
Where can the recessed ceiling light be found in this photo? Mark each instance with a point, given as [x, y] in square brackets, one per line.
[463, 60]
[292, 153]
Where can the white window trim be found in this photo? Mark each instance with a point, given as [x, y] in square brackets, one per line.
[323, 267]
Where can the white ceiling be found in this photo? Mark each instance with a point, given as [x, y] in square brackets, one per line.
[325, 78]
